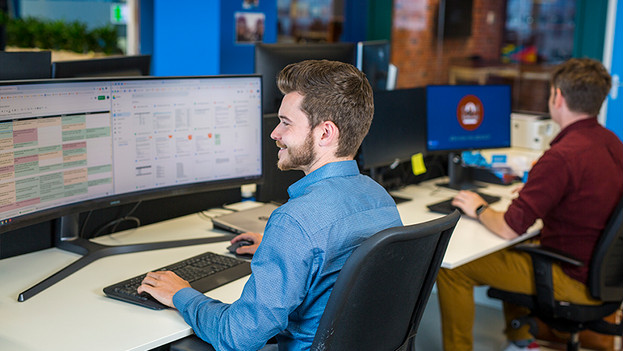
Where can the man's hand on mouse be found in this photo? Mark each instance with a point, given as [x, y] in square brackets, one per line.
[255, 238]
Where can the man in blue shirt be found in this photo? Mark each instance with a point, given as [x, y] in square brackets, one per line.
[325, 114]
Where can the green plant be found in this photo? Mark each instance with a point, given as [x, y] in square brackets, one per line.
[74, 36]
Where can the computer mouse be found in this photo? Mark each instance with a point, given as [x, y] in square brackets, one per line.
[232, 248]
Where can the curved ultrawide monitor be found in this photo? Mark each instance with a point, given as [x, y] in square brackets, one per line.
[71, 145]
[270, 59]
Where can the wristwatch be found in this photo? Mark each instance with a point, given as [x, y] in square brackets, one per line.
[480, 209]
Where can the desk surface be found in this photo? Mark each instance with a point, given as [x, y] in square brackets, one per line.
[470, 240]
[74, 314]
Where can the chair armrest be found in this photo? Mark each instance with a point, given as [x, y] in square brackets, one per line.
[539, 250]
[543, 258]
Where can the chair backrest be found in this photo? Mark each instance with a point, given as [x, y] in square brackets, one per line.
[605, 267]
[383, 288]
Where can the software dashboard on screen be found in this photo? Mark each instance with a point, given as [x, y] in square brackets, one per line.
[68, 142]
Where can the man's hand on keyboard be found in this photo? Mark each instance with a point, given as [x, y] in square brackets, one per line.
[255, 238]
[162, 286]
[468, 201]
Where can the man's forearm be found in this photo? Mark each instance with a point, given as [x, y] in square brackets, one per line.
[495, 222]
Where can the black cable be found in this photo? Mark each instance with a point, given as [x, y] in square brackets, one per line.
[127, 217]
[84, 224]
[115, 223]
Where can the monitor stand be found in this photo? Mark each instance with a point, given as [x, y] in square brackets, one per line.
[67, 238]
[460, 177]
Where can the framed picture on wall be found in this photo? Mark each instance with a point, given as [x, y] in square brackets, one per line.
[249, 27]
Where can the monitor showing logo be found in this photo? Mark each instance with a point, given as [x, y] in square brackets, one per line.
[470, 112]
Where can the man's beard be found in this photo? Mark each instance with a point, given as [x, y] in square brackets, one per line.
[299, 156]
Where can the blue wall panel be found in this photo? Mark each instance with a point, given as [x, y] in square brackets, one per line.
[355, 19]
[186, 37]
[614, 100]
[197, 37]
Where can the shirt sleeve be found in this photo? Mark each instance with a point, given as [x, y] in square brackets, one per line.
[282, 268]
[546, 185]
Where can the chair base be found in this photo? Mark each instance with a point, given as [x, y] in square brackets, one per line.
[571, 318]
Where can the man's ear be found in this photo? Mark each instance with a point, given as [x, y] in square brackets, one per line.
[329, 133]
[559, 99]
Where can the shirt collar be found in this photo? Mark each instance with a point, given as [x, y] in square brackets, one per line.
[582, 124]
[330, 170]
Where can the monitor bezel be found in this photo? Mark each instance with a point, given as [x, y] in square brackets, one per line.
[43, 215]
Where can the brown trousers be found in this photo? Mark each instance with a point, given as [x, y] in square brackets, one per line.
[507, 270]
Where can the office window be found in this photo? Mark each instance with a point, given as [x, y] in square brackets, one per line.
[99, 18]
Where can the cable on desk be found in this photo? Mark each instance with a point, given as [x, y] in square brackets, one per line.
[84, 224]
[115, 223]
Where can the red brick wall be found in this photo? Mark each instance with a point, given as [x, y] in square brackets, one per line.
[421, 58]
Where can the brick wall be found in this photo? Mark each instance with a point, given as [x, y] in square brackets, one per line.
[422, 58]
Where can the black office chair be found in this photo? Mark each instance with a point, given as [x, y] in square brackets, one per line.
[383, 288]
[604, 283]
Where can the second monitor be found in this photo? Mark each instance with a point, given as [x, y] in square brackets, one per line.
[373, 58]
[397, 131]
[270, 59]
[467, 117]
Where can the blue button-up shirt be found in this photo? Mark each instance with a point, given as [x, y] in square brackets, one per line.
[305, 244]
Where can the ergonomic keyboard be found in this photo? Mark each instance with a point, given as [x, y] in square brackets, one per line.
[445, 207]
[204, 272]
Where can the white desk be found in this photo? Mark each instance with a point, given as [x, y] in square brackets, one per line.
[471, 239]
[74, 314]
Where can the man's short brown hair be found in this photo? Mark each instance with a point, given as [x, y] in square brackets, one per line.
[584, 83]
[332, 91]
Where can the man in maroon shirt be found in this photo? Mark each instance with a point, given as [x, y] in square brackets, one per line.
[573, 188]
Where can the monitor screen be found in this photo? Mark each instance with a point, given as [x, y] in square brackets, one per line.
[82, 144]
[114, 66]
[373, 58]
[270, 59]
[398, 128]
[467, 117]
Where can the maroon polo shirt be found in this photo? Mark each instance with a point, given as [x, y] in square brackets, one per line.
[573, 188]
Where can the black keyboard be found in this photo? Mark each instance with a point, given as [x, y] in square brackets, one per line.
[445, 207]
[204, 272]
